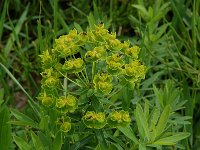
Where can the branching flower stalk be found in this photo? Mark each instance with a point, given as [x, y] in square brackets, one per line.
[89, 63]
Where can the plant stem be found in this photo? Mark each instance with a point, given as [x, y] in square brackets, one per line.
[80, 79]
[65, 85]
[69, 79]
[86, 80]
[93, 69]
[115, 91]
[86, 74]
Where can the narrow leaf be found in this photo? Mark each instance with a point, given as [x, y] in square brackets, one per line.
[5, 130]
[36, 141]
[171, 140]
[57, 144]
[143, 120]
[128, 132]
[163, 121]
[23, 119]
[16, 31]
[21, 143]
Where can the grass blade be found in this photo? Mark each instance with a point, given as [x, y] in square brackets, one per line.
[5, 130]
[32, 103]
[3, 14]
[16, 31]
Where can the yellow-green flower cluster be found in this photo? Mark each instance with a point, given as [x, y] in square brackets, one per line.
[100, 35]
[47, 100]
[94, 120]
[103, 83]
[50, 78]
[88, 61]
[114, 64]
[73, 66]
[134, 71]
[132, 52]
[96, 54]
[119, 118]
[65, 124]
[47, 59]
[67, 103]
[98, 120]
[66, 45]
[114, 45]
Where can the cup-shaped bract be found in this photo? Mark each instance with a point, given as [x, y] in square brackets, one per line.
[114, 64]
[48, 60]
[133, 52]
[119, 118]
[98, 53]
[65, 127]
[103, 83]
[94, 120]
[47, 100]
[67, 103]
[134, 71]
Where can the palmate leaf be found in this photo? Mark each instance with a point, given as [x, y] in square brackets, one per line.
[171, 140]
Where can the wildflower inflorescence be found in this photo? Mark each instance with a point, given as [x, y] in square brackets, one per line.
[80, 62]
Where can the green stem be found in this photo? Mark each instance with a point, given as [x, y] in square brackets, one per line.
[69, 79]
[93, 69]
[86, 80]
[86, 74]
[65, 85]
[115, 91]
[80, 79]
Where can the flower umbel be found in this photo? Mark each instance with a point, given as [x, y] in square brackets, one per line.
[83, 66]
